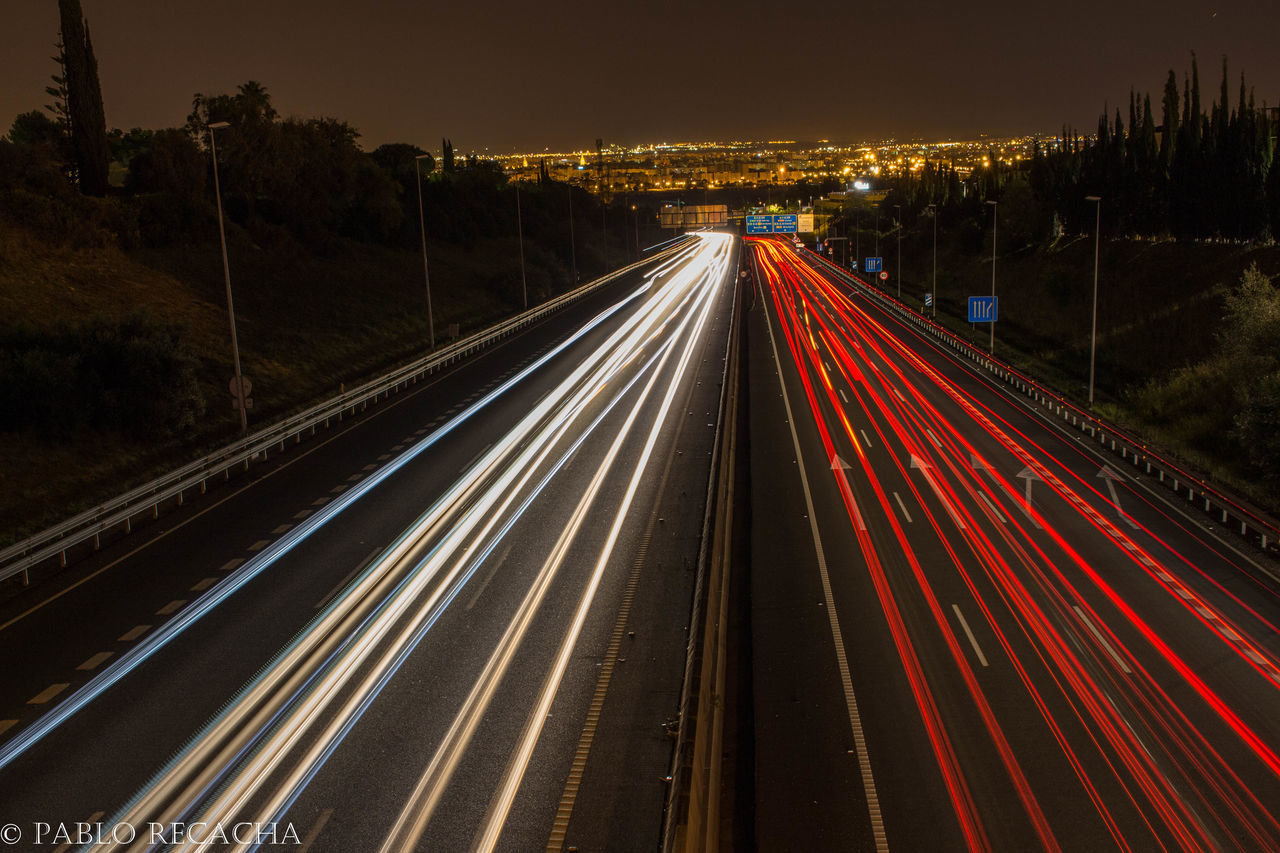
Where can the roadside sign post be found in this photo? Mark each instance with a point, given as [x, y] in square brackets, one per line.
[983, 309]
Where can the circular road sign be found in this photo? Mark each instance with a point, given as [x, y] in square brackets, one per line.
[884, 276]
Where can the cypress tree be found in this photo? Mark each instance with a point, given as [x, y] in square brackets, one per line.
[1169, 137]
[84, 101]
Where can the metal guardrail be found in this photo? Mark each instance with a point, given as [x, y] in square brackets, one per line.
[1255, 526]
[120, 512]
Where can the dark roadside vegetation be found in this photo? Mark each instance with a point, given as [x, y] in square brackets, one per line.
[1188, 341]
[115, 351]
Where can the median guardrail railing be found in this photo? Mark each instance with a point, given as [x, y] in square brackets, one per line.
[120, 513]
[1234, 513]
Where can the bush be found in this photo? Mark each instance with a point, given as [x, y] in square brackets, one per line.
[135, 376]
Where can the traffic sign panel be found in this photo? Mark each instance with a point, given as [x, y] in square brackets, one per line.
[874, 264]
[928, 300]
[983, 309]
[785, 223]
[760, 224]
[884, 276]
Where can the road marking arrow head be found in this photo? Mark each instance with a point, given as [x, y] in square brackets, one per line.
[838, 464]
[978, 464]
[1107, 473]
[917, 462]
[1028, 474]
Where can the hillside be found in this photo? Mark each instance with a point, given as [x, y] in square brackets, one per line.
[306, 325]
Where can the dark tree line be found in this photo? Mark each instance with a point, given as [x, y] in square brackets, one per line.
[1191, 175]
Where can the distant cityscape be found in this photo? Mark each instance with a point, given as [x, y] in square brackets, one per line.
[712, 165]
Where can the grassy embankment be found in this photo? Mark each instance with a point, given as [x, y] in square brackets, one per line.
[1160, 319]
[305, 325]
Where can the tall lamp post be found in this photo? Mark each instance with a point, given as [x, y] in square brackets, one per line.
[241, 397]
[573, 247]
[1093, 337]
[899, 208]
[524, 284]
[995, 217]
[934, 209]
[422, 225]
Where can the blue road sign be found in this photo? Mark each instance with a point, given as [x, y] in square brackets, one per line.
[928, 300]
[874, 264]
[983, 309]
[785, 223]
[760, 224]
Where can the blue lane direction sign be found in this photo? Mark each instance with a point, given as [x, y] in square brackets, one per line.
[928, 300]
[983, 309]
[785, 223]
[874, 264]
[760, 224]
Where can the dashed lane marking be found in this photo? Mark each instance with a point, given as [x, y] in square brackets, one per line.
[337, 490]
[171, 607]
[93, 819]
[314, 832]
[298, 516]
[319, 501]
[47, 694]
[231, 564]
[902, 507]
[259, 545]
[973, 641]
[94, 662]
[204, 584]
[342, 583]
[5, 725]
[281, 529]
[133, 633]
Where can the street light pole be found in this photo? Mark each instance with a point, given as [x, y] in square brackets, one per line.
[241, 397]
[934, 207]
[1093, 336]
[422, 226]
[995, 218]
[573, 248]
[524, 284]
[899, 207]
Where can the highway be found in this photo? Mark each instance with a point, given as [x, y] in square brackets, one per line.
[458, 624]
[969, 629]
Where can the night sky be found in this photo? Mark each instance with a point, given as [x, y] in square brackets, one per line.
[507, 75]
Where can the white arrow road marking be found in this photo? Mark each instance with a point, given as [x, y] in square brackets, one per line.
[1111, 476]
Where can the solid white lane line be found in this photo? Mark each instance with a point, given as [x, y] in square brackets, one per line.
[1097, 635]
[842, 661]
[973, 641]
[902, 506]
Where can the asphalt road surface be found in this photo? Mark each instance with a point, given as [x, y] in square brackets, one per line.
[970, 630]
[458, 623]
